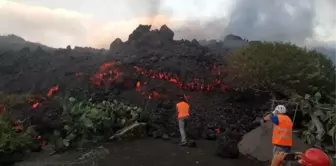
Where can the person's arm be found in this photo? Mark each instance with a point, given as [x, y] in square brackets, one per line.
[278, 159]
[267, 117]
[273, 118]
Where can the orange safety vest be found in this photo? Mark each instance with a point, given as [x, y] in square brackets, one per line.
[182, 109]
[138, 84]
[282, 133]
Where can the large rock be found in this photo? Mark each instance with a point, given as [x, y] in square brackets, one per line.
[166, 32]
[257, 143]
[116, 43]
[138, 32]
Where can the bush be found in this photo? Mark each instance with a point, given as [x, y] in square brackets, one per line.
[11, 100]
[13, 144]
[281, 68]
[92, 121]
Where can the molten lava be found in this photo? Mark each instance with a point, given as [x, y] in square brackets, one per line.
[52, 90]
[36, 102]
[138, 85]
[194, 84]
[109, 72]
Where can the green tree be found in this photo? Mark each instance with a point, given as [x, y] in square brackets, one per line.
[281, 68]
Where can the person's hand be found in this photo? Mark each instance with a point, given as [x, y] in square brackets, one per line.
[299, 154]
[278, 158]
[267, 117]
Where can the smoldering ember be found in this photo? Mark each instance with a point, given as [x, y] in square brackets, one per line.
[140, 80]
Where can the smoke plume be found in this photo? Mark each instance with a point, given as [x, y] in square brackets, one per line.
[284, 20]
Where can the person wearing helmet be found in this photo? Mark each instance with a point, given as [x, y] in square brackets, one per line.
[311, 157]
[282, 129]
[182, 108]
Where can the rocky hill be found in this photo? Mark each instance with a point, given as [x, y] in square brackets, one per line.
[13, 42]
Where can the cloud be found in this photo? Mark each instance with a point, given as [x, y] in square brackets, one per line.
[301, 21]
[61, 27]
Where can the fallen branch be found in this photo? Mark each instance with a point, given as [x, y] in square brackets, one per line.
[124, 130]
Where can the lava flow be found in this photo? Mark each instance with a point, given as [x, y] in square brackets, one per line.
[36, 102]
[109, 72]
[104, 76]
[194, 84]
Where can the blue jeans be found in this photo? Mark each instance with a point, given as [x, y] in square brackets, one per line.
[279, 148]
[181, 123]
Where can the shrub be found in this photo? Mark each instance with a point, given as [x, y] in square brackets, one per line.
[281, 68]
[12, 144]
[92, 121]
[10, 100]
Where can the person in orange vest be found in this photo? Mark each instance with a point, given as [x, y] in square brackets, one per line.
[310, 157]
[282, 130]
[182, 108]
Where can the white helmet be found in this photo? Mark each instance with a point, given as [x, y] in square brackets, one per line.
[280, 109]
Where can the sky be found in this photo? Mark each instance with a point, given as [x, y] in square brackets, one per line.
[96, 23]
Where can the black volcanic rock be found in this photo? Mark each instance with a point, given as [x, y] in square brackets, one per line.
[156, 50]
[138, 32]
[166, 33]
[116, 43]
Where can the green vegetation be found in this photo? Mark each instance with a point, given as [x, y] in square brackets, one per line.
[88, 121]
[296, 74]
[10, 140]
[11, 100]
[13, 145]
[321, 130]
[282, 68]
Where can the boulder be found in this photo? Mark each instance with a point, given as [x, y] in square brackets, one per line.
[138, 32]
[166, 33]
[257, 143]
[116, 43]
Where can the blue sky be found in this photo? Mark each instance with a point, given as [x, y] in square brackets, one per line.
[98, 22]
